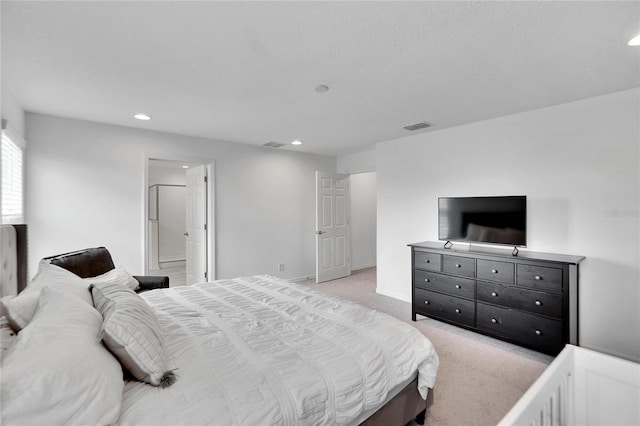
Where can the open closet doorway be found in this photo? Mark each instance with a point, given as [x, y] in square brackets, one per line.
[179, 220]
[363, 202]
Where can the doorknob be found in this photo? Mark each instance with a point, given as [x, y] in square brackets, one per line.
[186, 234]
[319, 232]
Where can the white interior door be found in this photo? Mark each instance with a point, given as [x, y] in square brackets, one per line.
[196, 225]
[333, 237]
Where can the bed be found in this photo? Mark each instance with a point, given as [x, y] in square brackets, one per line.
[251, 350]
[581, 387]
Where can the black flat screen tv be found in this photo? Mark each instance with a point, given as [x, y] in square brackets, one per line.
[491, 220]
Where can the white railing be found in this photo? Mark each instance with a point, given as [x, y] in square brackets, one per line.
[581, 387]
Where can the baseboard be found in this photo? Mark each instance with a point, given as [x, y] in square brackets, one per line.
[357, 268]
[393, 295]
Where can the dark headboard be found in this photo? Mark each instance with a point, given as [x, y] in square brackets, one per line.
[23, 258]
[85, 263]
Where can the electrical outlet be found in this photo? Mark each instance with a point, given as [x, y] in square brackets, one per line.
[280, 267]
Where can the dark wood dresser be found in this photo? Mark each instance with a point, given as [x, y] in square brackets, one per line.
[530, 299]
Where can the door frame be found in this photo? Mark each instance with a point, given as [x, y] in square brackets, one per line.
[211, 245]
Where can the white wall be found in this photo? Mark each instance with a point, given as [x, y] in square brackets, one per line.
[577, 163]
[358, 162]
[12, 111]
[363, 220]
[167, 175]
[85, 187]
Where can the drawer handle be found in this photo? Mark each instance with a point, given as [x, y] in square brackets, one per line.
[426, 261]
[426, 280]
[538, 333]
[538, 278]
[493, 320]
[538, 303]
[458, 265]
[426, 302]
[458, 286]
[494, 271]
[457, 311]
[494, 294]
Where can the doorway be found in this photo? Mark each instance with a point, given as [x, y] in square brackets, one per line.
[166, 225]
[363, 202]
[175, 245]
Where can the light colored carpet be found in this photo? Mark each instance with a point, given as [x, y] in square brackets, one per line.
[480, 378]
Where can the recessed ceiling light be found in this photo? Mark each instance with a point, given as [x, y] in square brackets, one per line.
[296, 142]
[142, 117]
[322, 88]
[635, 41]
[185, 167]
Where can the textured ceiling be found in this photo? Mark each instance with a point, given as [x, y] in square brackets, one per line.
[246, 71]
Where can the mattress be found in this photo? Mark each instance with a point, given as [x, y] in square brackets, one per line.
[260, 350]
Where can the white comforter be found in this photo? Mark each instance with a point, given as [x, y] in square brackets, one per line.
[262, 351]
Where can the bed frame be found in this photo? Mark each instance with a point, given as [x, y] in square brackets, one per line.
[581, 387]
[406, 406]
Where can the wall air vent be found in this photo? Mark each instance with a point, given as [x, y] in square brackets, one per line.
[418, 126]
[273, 145]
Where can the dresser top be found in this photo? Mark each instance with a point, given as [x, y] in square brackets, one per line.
[501, 252]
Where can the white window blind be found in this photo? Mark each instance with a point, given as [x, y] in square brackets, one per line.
[12, 174]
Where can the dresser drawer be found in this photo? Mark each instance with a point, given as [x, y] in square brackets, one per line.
[492, 270]
[536, 302]
[446, 307]
[539, 277]
[457, 265]
[454, 286]
[527, 329]
[430, 261]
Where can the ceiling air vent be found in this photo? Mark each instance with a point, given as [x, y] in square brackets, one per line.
[418, 126]
[273, 145]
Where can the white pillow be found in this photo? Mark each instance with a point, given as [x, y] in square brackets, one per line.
[118, 275]
[20, 309]
[57, 371]
[132, 333]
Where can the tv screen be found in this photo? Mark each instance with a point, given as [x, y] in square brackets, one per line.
[495, 220]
